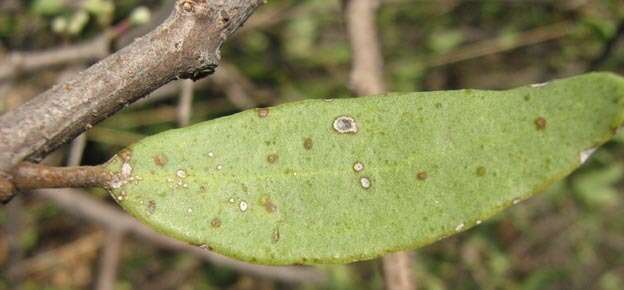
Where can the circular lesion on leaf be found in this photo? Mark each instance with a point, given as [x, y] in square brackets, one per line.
[358, 166]
[540, 123]
[215, 223]
[268, 204]
[263, 112]
[160, 160]
[481, 171]
[272, 158]
[365, 182]
[308, 143]
[151, 207]
[345, 125]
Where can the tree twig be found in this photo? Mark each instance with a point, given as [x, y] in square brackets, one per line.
[367, 62]
[185, 103]
[109, 260]
[32, 176]
[78, 202]
[397, 271]
[17, 63]
[74, 157]
[186, 45]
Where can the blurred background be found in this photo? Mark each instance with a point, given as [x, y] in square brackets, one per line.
[569, 237]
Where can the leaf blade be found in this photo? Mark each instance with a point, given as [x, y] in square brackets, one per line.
[300, 183]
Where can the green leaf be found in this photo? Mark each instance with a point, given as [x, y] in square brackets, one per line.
[336, 181]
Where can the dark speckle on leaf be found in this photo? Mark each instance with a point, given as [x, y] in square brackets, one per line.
[272, 158]
[215, 223]
[263, 112]
[151, 207]
[421, 175]
[160, 160]
[540, 123]
[268, 205]
[481, 171]
[307, 143]
[276, 235]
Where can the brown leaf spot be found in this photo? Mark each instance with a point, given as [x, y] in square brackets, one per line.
[272, 158]
[263, 112]
[422, 175]
[275, 236]
[268, 205]
[540, 123]
[307, 143]
[151, 207]
[481, 171]
[215, 223]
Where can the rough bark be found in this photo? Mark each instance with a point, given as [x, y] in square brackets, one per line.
[186, 45]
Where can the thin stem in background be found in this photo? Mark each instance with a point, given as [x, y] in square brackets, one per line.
[76, 150]
[109, 260]
[185, 103]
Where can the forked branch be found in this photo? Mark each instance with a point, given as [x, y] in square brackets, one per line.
[186, 45]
